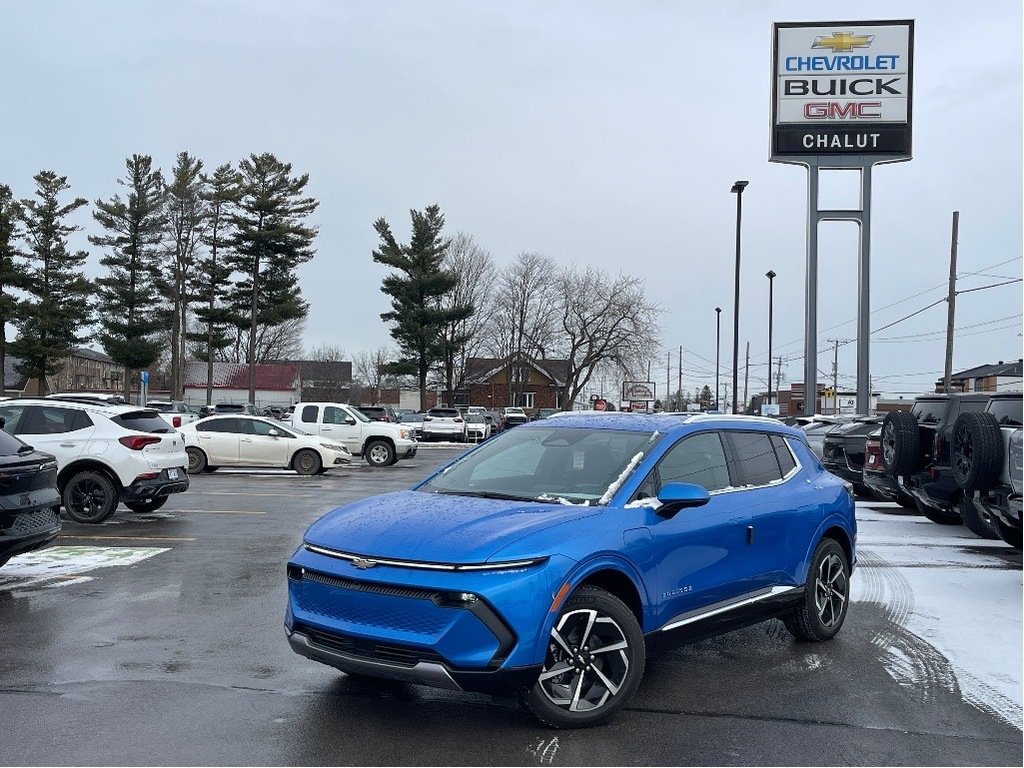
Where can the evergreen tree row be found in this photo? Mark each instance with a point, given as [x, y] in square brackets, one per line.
[207, 259]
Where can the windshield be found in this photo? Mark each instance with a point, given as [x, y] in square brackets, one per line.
[929, 411]
[567, 465]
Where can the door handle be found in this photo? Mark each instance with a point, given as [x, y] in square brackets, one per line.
[67, 445]
[245, 440]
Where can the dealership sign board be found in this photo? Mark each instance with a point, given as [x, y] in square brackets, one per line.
[842, 88]
[638, 390]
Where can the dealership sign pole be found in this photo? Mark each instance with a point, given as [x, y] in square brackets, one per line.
[841, 100]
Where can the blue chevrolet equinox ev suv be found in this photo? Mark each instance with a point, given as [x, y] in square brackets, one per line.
[556, 557]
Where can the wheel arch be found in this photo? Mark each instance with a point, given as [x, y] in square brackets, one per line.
[87, 465]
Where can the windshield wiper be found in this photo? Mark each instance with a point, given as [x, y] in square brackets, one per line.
[488, 495]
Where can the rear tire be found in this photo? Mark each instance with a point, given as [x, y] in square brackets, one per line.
[146, 506]
[938, 515]
[901, 443]
[822, 611]
[1009, 534]
[974, 521]
[905, 500]
[89, 497]
[594, 661]
[977, 451]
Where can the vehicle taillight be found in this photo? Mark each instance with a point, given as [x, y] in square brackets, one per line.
[457, 420]
[147, 476]
[873, 456]
[939, 445]
[176, 421]
[428, 418]
[137, 442]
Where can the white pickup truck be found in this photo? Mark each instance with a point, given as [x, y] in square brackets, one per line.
[379, 442]
[174, 412]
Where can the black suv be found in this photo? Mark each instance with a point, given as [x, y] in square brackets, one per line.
[379, 413]
[29, 499]
[842, 452]
[986, 453]
[916, 451]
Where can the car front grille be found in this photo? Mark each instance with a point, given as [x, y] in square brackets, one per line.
[31, 522]
[371, 650]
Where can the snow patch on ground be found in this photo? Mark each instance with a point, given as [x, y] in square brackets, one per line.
[953, 605]
[61, 566]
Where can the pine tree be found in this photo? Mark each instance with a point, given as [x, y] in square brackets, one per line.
[187, 218]
[13, 272]
[212, 273]
[57, 305]
[416, 293]
[131, 317]
[270, 242]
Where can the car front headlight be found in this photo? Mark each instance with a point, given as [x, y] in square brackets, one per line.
[334, 447]
[404, 433]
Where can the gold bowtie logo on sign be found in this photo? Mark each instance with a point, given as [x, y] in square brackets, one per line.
[843, 41]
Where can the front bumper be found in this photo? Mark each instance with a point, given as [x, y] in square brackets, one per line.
[1000, 503]
[882, 485]
[480, 631]
[29, 527]
[406, 450]
[173, 480]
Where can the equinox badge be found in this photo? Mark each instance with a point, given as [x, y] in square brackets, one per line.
[363, 563]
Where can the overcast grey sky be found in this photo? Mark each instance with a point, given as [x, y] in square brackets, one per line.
[597, 133]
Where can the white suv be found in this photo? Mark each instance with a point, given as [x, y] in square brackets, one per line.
[105, 453]
[444, 424]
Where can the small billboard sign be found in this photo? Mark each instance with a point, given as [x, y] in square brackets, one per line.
[638, 390]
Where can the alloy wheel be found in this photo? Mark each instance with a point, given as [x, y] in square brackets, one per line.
[830, 590]
[88, 497]
[587, 661]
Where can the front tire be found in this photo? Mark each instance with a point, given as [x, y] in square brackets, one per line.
[822, 611]
[379, 454]
[307, 462]
[89, 497]
[593, 664]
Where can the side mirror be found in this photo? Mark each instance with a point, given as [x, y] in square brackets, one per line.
[350, 421]
[677, 496]
[274, 433]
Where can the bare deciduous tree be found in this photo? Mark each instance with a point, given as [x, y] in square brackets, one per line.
[525, 313]
[603, 320]
[326, 353]
[372, 369]
[474, 271]
[273, 342]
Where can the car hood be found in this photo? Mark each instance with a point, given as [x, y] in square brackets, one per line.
[434, 527]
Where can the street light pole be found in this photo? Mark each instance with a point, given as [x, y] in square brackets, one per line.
[770, 274]
[718, 351]
[737, 188]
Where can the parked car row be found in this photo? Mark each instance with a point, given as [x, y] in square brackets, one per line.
[955, 458]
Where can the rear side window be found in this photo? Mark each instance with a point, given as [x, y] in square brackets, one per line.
[13, 417]
[929, 411]
[218, 425]
[142, 421]
[1007, 411]
[49, 420]
[309, 414]
[444, 413]
[785, 457]
[9, 444]
[754, 457]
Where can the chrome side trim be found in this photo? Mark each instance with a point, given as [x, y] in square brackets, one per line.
[363, 563]
[423, 673]
[728, 605]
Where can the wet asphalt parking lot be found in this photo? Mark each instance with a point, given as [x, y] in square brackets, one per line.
[158, 640]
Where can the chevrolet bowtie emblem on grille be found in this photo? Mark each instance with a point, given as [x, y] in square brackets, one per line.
[363, 563]
[843, 41]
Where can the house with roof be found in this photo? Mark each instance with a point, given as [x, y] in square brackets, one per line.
[84, 370]
[1000, 377]
[527, 382]
[276, 383]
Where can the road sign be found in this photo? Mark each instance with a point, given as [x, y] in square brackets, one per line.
[600, 404]
[144, 376]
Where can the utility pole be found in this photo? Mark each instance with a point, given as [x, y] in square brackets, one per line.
[835, 376]
[951, 300]
[746, 378]
[778, 377]
[679, 385]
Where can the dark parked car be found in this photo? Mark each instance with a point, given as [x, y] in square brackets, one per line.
[916, 449]
[247, 409]
[379, 413]
[877, 476]
[29, 499]
[842, 451]
[552, 559]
